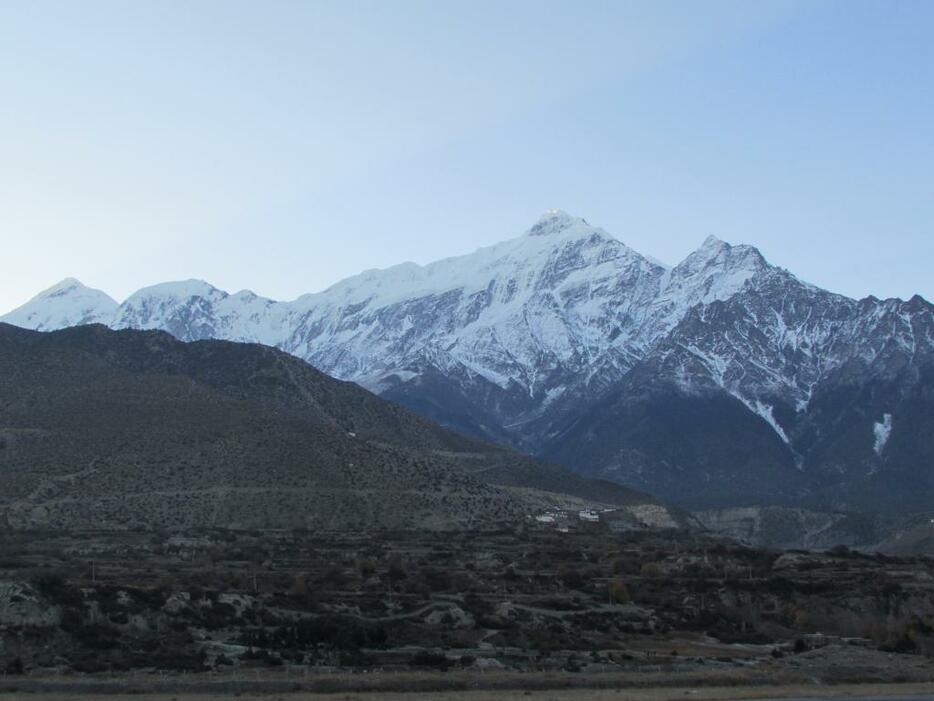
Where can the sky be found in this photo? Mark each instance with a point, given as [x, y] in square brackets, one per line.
[280, 146]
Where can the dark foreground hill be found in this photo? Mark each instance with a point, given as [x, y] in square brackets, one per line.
[118, 429]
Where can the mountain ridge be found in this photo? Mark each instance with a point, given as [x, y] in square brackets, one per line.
[517, 341]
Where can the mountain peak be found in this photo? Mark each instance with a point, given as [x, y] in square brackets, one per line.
[64, 286]
[713, 242]
[73, 288]
[66, 303]
[716, 249]
[180, 289]
[554, 221]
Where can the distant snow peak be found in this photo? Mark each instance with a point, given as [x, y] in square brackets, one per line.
[715, 249]
[882, 430]
[713, 243]
[66, 303]
[553, 221]
[179, 289]
[63, 287]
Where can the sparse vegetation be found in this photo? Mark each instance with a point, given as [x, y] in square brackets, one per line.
[526, 599]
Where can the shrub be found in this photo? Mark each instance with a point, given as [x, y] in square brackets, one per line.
[396, 570]
[436, 579]
[430, 659]
[333, 576]
[95, 636]
[365, 568]
[54, 587]
[618, 591]
[571, 577]
[299, 586]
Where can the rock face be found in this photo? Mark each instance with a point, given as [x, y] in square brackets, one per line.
[721, 381]
[21, 606]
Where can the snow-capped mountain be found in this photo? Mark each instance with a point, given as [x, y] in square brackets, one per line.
[779, 391]
[68, 303]
[568, 343]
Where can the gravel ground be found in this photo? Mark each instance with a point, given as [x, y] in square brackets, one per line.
[831, 672]
[862, 692]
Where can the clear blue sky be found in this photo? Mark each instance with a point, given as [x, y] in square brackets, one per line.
[281, 146]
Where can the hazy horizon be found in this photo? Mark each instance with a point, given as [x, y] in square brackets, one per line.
[283, 147]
